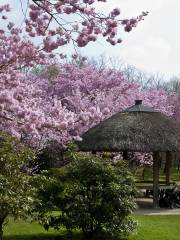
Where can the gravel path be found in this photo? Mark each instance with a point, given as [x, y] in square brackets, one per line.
[145, 207]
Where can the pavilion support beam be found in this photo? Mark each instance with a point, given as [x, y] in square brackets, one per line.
[125, 155]
[168, 167]
[155, 180]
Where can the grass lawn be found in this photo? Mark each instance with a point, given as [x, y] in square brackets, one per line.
[26, 230]
[150, 228]
[32, 231]
[157, 228]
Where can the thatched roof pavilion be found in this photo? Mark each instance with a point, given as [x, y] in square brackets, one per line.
[139, 129]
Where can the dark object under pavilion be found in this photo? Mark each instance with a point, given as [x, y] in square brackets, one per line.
[136, 129]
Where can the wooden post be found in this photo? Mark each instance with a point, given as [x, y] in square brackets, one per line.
[168, 167]
[125, 155]
[155, 180]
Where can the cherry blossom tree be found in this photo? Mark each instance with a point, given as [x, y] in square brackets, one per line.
[37, 109]
[40, 110]
[57, 23]
[29, 109]
[52, 20]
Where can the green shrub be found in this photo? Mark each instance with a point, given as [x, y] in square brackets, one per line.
[92, 195]
[16, 195]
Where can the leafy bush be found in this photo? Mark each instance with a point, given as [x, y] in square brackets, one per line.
[91, 194]
[16, 195]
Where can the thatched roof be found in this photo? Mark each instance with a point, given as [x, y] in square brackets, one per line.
[138, 128]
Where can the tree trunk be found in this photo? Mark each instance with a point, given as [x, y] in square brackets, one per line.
[1, 226]
[143, 174]
[179, 165]
[1, 230]
[125, 155]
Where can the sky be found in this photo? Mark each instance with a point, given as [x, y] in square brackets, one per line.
[154, 46]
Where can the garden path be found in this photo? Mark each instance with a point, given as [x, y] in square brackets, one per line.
[145, 207]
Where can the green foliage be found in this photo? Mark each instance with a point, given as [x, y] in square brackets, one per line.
[92, 195]
[16, 195]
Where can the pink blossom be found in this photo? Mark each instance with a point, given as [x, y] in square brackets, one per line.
[116, 12]
[4, 17]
